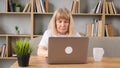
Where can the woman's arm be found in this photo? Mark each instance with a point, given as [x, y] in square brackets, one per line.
[42, 51]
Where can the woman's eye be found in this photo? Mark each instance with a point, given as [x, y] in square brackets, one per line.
[66, 22]
[60, 21]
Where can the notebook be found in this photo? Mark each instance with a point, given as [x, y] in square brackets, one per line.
[67, 50]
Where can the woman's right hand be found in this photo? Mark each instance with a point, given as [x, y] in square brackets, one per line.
[42, 51]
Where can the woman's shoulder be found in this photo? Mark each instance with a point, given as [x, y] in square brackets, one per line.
[48, 32]
[77, 34]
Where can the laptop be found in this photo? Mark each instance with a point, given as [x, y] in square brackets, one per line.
[67, 50]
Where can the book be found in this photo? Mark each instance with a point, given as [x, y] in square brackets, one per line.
[106, 31]
[98, 7]
[34, 6]
[0, 50]
[92, 32]
[95, 30]
[114, 9]
[10, 4]
[42, 6]
[74, 6]
[101, 7]
[78, 6]
[106, 7]
[100, 26]
[38, 4]
[89, 30]
[3, 50]
[94, 9]
[26, 7]
[110, 7]
[46, 6]
[109, 30]
[29, 8]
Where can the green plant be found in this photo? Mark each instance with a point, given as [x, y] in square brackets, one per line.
[16, 28]
[22, 47]
[17, 4]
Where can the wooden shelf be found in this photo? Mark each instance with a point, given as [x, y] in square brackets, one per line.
[112, 14]
[37, 35]
[86, 14]
[21, 35]
[15, 35]
[2, 35]
[15, 13]
[8, 57]
[49, 13]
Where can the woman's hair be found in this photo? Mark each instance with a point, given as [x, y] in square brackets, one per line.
[61, 13]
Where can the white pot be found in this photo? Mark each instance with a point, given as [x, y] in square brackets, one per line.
[17, 9]
[18, 32]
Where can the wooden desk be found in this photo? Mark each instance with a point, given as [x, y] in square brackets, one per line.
[39, 62]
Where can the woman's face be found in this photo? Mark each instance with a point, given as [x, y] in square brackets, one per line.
[62, 26]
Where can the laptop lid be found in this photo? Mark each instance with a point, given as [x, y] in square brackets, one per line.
[67, 49]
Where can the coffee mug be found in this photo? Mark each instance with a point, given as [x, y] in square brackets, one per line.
[98, 53]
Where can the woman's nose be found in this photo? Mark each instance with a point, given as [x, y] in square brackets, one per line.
[62, 24]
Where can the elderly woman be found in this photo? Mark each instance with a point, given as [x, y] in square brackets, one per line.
[61, 25]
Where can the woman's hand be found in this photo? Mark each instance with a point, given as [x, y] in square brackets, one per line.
[42, 51]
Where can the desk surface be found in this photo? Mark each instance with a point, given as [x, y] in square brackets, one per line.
[39, 62]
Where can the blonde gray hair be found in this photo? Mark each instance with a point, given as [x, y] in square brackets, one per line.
[61, 13]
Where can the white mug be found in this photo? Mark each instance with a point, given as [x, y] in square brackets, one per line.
[98, 53]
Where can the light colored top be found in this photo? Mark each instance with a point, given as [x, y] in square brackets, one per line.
[48, 33]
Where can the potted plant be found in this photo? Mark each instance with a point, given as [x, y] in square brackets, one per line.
[17, 30]
[17, 7]
[23, 49]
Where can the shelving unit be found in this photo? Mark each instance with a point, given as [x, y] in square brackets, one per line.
[8, 21]
[114, 19]
[33, 24]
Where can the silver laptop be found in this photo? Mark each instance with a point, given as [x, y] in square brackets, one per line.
[67, 50]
